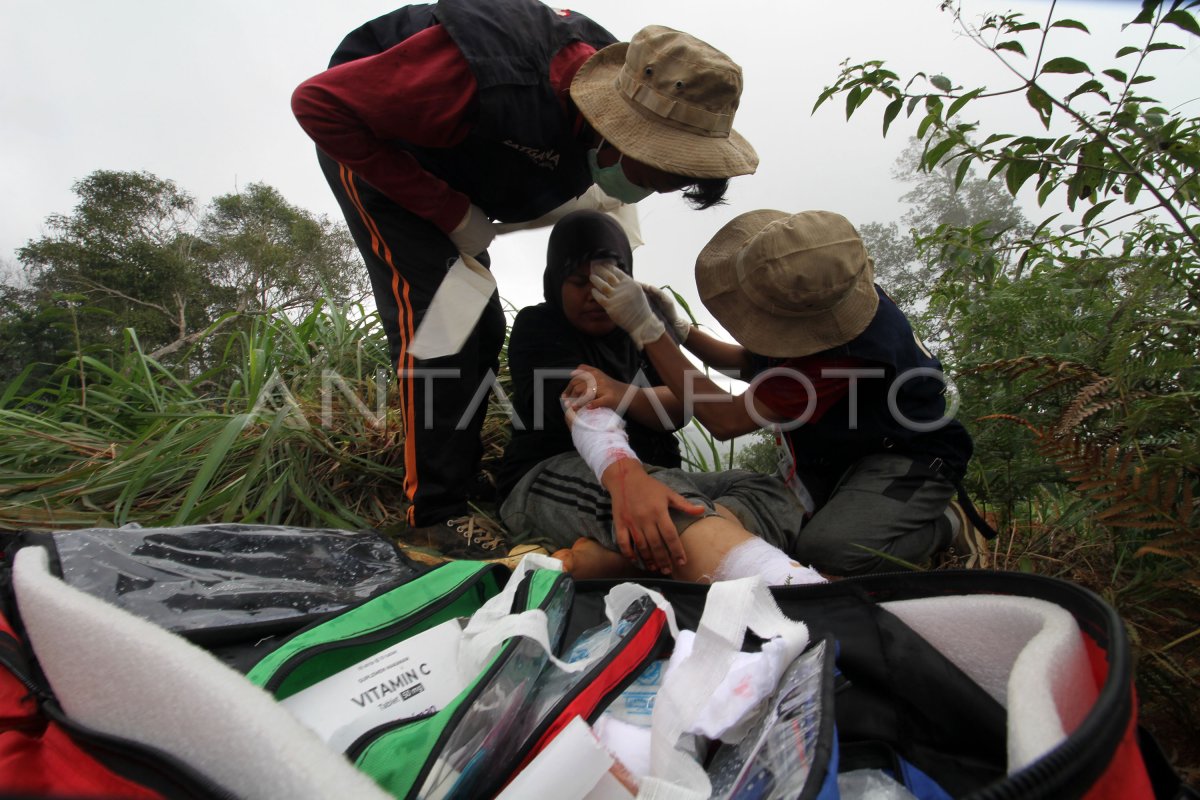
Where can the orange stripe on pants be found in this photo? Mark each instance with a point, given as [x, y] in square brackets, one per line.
[404, 365]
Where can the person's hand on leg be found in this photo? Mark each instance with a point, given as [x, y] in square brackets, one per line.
[641, 516]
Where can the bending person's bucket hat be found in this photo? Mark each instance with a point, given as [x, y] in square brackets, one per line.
[667, 99]
[788, 285]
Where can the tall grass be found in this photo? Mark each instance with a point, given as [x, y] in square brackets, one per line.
[274, 432]
[292, 421]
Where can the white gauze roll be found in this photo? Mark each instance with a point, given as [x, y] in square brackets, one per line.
[599, 436]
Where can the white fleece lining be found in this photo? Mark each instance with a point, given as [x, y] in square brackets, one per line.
[1028, 654]
[119, 674]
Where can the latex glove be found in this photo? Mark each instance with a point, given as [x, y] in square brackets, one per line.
[622, 297]
[666, 306]
[474, 233]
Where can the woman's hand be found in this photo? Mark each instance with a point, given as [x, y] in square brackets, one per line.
[591, 387]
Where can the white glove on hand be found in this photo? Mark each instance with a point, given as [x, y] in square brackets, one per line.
[622, 297]
[666, 307]
[474, 233]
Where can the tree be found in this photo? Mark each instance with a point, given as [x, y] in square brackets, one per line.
[127, 250]
[760, 455]
[136, 253]
[268, 253]
[898, 263]
[1081, 360]
[914, 272]
[938, 200]
[28, 337]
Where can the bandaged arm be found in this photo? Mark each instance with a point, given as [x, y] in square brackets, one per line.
[599, 436]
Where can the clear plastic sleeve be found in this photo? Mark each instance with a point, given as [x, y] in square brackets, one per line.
[217, 576]
[488, 739]
[597, 642]
[776, 756]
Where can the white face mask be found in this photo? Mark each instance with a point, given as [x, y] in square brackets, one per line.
[612, 180]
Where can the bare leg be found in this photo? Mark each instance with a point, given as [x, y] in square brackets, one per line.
[706, 542]
[587, 558]
[720, 549]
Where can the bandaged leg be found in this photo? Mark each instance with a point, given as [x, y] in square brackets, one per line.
[719, 549]
[756, 557]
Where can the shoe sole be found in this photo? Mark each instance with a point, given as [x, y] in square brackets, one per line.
[974, 544]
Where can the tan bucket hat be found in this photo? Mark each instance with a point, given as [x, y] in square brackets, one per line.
[788, 285]
[667, 99]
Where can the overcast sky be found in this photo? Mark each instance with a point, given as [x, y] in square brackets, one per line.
[199, 93]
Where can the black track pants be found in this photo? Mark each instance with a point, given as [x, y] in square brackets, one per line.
[444, 399]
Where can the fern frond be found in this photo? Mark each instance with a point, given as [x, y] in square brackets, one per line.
[1127, 491]
[1082, 406]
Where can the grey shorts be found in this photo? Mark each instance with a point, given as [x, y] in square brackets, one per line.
[560, 500]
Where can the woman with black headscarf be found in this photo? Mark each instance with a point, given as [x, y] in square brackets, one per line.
[635, 515]
[546, 346]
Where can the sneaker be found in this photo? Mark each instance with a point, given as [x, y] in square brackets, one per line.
[967, 542]
[471, 536]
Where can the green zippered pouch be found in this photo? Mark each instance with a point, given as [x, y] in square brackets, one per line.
[401, 755]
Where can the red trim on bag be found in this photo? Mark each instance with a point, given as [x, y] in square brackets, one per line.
[53, 764]
[628, 659]
[38, 758]
[17, 705]
[1126, 777]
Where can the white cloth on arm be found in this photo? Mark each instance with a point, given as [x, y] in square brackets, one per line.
[599, 436]
[594, 199]
[756, 557]
[457, 306]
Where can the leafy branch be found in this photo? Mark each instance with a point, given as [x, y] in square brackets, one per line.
[1123, 150]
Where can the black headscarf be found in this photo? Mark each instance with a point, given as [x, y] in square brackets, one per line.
[577, 237]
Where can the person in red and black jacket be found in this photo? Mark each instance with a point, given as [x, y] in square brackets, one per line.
[435, 122]
[834, 365]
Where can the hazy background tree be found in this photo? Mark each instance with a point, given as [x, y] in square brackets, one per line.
[940, 198]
